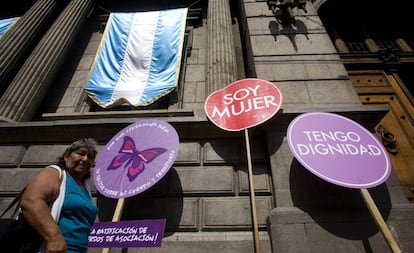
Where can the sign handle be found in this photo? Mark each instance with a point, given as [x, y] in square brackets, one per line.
[252, 193]
[380, 221]
[116, 217]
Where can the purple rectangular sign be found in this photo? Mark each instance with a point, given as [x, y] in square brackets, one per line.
[127, 234]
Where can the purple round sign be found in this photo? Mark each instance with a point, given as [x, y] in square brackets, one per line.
[136, 158]
[338, 150]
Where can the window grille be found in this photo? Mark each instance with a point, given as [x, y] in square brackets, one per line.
[357, 47]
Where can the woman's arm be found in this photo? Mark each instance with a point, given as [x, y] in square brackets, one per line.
[40, 192]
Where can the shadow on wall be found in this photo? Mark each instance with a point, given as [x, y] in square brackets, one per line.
[234, 152]
[162, 201]
[339, 210]
[289, 31]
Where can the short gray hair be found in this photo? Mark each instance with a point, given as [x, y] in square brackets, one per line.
[90, 143]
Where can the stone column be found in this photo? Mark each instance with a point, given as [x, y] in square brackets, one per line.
[339, 43]
[27, 90]
[221, 56]
[371, 44]
[20, 38]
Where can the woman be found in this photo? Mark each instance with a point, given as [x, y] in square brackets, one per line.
[77, 213]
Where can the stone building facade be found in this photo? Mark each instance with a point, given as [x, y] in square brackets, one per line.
[45, 58]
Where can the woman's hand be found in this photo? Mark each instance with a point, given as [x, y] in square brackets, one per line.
[55, 244]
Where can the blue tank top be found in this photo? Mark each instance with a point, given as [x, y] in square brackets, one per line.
[77, 216]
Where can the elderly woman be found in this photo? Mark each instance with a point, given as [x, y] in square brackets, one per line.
[64, 186]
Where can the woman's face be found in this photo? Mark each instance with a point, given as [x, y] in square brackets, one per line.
[79, 162]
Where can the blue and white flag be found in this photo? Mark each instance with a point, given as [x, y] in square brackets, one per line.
[139, 58]
[6, 24]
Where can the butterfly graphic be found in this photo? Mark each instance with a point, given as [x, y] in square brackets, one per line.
[132, 159]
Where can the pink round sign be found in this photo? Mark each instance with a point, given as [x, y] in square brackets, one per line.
[338, 150]
[242, 104]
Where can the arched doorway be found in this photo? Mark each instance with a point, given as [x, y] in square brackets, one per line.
[376, 45]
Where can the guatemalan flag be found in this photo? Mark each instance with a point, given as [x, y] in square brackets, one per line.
[139, 58]
[6, 24]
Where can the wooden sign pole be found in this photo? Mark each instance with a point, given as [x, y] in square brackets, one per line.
[252, 194]
[116, 217]
[380, 221]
